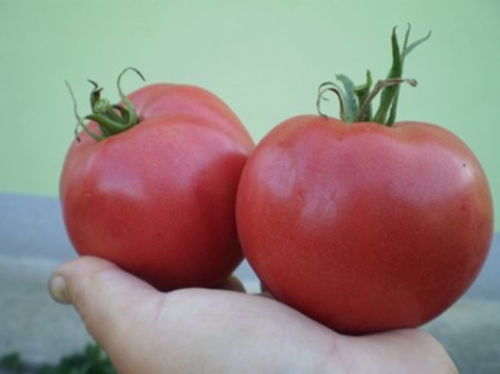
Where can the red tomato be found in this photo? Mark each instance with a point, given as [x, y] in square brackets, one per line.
[158, 198]
[364, 227]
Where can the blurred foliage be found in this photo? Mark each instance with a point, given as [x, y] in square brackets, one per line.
[93, 360]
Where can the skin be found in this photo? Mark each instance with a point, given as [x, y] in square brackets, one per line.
[221, 331]
[388, 226]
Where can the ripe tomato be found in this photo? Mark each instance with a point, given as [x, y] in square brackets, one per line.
[363, 227]
[158, 198]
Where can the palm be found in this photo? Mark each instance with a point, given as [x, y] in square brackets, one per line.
[219, 331]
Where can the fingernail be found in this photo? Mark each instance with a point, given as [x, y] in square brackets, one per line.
[57, 289]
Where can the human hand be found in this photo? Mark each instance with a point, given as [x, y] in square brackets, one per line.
[220, 331]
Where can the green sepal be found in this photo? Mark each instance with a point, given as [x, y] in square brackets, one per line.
[351, 106]
[107, 126]
[133, 118]
[335, 88]
[406, 51]
[123, 113]
[362, 92]
[389, 92]
[416, 43]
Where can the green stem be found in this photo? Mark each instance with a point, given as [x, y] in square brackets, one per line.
[355, 101]
[112, 119]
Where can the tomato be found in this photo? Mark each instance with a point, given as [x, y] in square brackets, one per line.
[364, 226]
[158, 198]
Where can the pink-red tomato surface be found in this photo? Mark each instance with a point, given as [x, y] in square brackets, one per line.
[158, 199]
[363, 227]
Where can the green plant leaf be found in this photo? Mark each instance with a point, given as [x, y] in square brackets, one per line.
[12, 362]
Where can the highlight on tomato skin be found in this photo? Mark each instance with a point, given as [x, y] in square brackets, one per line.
[156, 195]
[364, 223]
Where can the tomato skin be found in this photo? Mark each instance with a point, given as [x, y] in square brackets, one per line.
[363, 227]
[158, 199]
[159, 100]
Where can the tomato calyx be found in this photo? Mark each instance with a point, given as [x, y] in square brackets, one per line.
[111, 118]
[355, 101]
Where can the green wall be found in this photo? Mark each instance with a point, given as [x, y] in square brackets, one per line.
[264, 58]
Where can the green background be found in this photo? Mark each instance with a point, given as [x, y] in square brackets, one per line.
[264, 58]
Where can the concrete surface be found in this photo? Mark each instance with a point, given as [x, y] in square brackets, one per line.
[33, 242]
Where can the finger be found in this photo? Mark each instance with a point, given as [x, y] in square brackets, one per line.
[101, 292]
[232, 284]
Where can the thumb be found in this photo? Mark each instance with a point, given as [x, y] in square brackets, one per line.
[113, 304]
